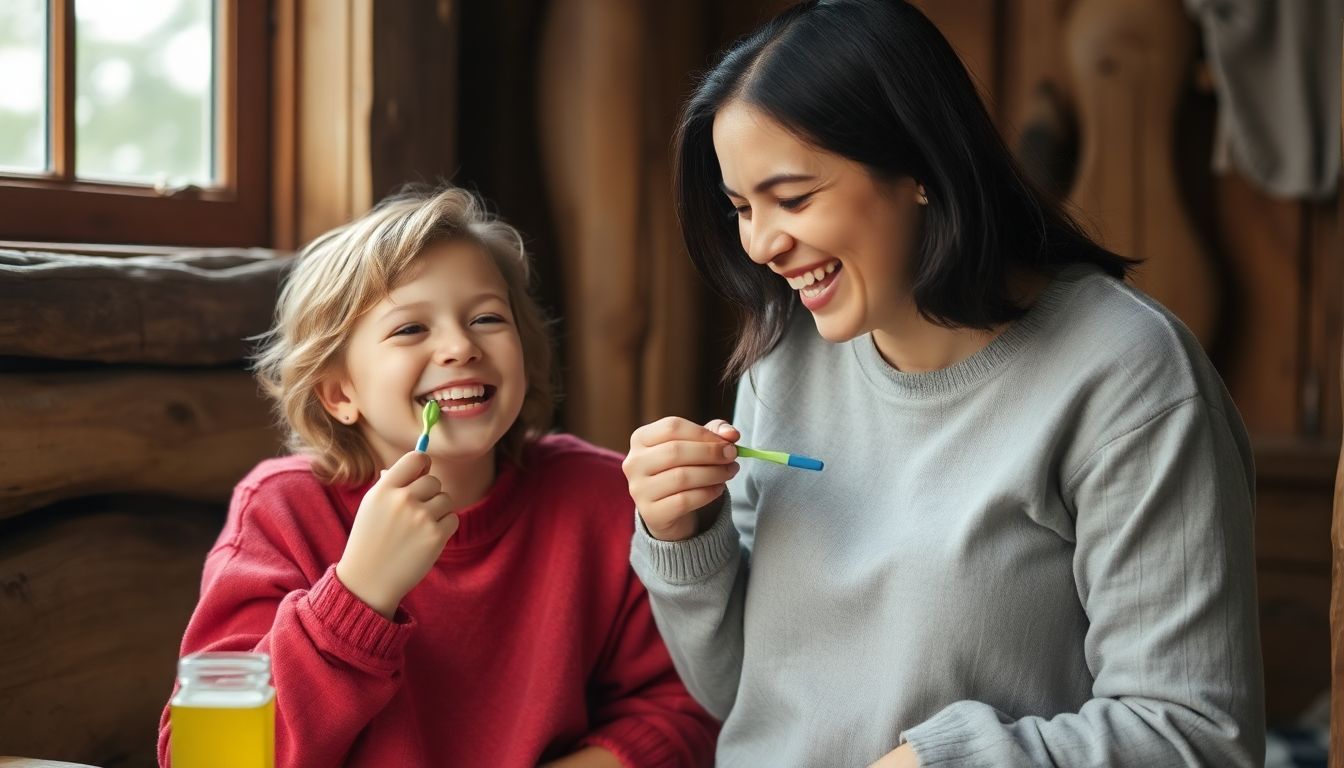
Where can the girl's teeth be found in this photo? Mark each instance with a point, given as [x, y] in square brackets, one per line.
[446, 396]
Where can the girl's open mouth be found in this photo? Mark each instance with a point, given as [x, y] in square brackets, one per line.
[467, 400]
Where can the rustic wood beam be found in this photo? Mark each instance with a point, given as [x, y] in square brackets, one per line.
[94, 598]
[186, 434]
[195, 308]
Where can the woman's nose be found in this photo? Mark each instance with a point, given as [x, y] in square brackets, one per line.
[764, 244]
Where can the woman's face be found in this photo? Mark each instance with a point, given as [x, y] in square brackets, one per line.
[822, 222]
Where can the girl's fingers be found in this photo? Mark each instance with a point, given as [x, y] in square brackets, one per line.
[406, 470]
[424, 488]
[439, 506]
[448, 525]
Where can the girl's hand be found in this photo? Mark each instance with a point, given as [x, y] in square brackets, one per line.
[399, 531]
[677, 470]
[901, 757]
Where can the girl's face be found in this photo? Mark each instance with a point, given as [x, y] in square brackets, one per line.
[822, 222]
[445, 333]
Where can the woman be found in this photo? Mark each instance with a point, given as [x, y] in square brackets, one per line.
[1032, 541]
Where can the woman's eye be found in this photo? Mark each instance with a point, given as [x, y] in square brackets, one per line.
[740, 212]
[793, 203]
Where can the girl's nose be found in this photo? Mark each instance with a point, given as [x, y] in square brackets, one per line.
[458, 348]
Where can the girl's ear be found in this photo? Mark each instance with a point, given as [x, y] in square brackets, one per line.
[337, 397]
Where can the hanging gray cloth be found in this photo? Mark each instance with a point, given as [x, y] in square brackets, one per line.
[1276, 64]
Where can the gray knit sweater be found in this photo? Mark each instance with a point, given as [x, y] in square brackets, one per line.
[1039, 556]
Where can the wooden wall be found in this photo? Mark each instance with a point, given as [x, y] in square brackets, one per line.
[126, 417]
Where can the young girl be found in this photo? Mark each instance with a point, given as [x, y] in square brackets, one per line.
[1031, 544]
[470, 605]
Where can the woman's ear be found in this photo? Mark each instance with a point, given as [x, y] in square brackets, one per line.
[920, 196]
[337, 398]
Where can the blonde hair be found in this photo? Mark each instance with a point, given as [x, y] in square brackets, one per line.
[343, 274]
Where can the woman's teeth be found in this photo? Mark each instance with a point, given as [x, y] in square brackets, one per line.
[807, 279]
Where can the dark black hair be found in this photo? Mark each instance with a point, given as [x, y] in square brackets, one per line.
[874, 81]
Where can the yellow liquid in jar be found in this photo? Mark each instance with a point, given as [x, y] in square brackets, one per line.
[224, 737]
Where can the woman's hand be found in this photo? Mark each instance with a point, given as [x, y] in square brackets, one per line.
[677, 470]
[400, 529]
[901, 757]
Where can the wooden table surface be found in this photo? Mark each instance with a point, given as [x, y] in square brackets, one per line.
[29, 762]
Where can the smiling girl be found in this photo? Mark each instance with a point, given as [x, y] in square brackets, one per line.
[470, 605]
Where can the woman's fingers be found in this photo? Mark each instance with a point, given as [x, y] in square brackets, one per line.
[668, 429]
[677, 507]
[681, 479]
[682, 453]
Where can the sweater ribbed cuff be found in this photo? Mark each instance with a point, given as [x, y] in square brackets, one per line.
[634, 742]
[696, 559]
[354, 623]
[948, 739]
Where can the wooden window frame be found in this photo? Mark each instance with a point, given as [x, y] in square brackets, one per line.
[56, 207]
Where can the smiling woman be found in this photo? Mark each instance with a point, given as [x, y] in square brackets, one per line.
[1032, 544]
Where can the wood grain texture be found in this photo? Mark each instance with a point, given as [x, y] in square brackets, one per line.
[29, 762]
[185, 309]
[413, 124]
[1337, 526]
[1130, 61]
[1260, 239]
[972, 27]
[590, 78]
[95, 595]
[187, 434]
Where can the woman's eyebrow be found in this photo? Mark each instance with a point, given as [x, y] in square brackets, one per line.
[779, 178]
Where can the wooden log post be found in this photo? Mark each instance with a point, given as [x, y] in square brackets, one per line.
[1337, 549]
[1130, 61]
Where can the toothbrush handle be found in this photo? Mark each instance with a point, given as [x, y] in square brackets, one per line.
[751, 453]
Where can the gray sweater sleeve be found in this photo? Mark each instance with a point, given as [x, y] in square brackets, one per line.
[1164, 570]
[697, 588]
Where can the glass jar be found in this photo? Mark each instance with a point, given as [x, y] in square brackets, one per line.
[223, 715]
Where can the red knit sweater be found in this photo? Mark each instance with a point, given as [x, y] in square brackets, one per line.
[531, 637]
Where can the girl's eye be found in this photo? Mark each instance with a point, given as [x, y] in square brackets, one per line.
[487, 319]
[410, 329]
[793, 203]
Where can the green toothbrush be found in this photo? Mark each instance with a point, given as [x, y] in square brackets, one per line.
[779, 457]
[430, 417]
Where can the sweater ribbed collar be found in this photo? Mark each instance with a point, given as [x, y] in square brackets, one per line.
[983, 364]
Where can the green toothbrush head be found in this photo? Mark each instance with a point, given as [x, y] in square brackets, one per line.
[431, 415]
